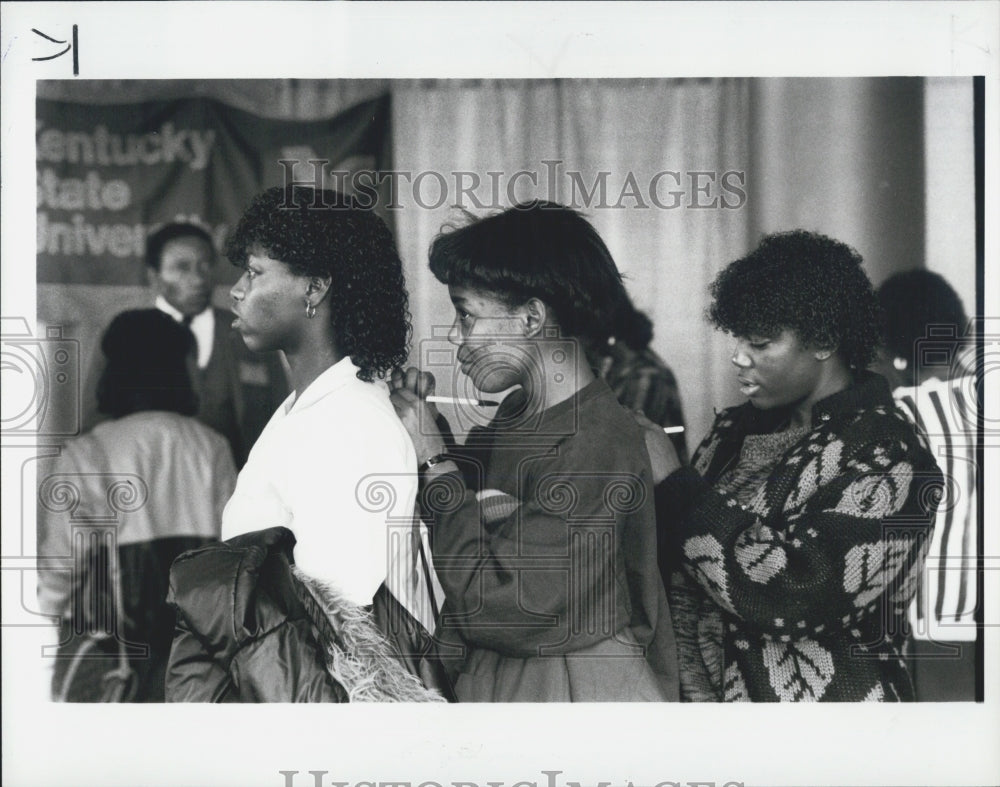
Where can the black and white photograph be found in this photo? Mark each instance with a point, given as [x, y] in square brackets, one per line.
[510, 383]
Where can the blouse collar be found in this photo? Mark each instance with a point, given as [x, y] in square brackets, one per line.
[336, 376]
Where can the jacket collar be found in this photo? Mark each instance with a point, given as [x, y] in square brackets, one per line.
[514, 416]
[868, 390]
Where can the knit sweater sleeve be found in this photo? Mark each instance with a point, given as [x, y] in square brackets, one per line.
[835, 550]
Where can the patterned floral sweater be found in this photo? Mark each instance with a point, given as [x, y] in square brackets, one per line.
[802, 593]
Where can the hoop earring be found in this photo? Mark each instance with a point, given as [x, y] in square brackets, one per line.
[310, 310]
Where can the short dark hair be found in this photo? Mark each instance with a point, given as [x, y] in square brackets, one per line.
[914, 300]
[146, 352]
[172, 231]
[538, 250]
[807, 283]
[326, 233]
[632, 326]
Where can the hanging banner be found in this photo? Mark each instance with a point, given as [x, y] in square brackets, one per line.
[107, 174]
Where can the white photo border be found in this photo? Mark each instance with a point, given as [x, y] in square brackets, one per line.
[47, 743]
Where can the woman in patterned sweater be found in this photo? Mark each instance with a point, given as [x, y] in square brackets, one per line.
[799, 531]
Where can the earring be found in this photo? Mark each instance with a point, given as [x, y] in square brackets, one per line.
[310, 310]
[899, 364]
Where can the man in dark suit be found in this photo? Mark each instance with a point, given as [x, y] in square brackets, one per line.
[238, 390]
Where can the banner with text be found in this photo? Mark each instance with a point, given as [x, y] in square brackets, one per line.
[107, 174]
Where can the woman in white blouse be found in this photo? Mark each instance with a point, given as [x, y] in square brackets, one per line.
[334, 467]
[323, 283]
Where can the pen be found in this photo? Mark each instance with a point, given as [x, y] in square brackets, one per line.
[462, 400]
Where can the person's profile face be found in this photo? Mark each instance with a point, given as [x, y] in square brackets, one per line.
[269, 303]
[184, 278]
[492, 350]
[776, 371]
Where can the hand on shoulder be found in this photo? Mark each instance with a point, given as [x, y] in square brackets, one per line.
[408, 392]
[662, 454]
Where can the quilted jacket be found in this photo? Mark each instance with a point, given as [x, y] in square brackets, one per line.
[252, 628]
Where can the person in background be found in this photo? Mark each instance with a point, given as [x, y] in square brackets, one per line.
[170, 473]
[311, 546]
[639, 377]
[925, 337]
[800, 529]
[543, 533]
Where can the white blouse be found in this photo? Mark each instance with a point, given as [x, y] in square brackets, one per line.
[336, 467]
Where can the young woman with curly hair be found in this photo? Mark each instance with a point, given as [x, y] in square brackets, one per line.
[543, 521]
[323, 283]
[798, 533]
[325, 286]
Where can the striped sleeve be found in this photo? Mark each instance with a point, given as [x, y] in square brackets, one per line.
[946, 596]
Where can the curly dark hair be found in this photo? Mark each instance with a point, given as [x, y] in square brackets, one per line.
[146, 352]
[807, 283]
[325, 233]
[538, 250]
[914, 300]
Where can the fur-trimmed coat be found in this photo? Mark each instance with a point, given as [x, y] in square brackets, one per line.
[251, 627]
[801, 594]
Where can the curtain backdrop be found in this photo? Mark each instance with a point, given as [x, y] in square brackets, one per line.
[640, 128]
